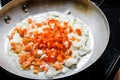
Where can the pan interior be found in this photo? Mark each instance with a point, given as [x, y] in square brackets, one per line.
[85, 11]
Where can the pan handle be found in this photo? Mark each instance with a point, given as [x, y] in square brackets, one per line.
[100, 3]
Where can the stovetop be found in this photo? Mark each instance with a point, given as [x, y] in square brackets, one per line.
[107, 65]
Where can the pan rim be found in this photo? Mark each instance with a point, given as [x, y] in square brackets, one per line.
[107, 26]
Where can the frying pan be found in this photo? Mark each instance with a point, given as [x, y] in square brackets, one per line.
[85, 10]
